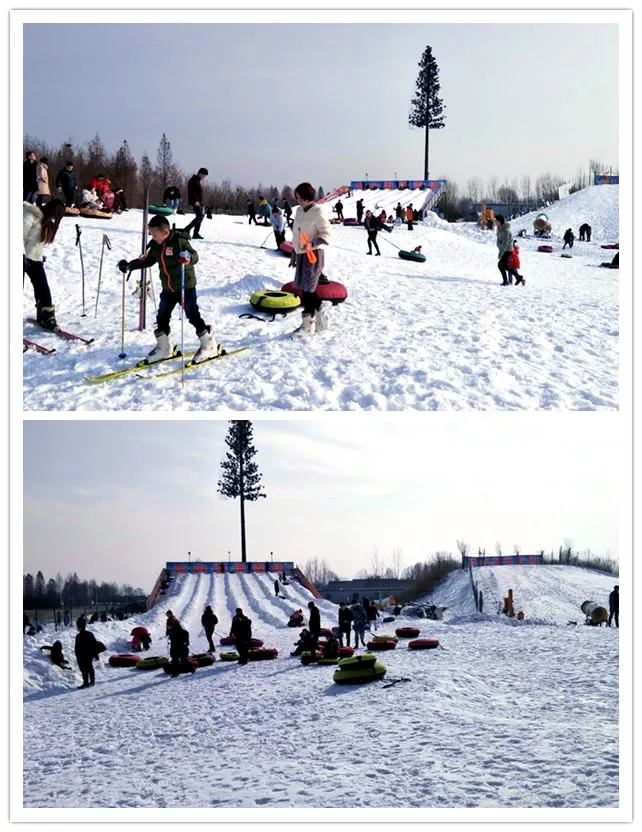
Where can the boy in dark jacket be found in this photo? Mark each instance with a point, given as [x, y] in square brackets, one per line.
[304, 643]
[171, 249]
[86, 649]
[178, 647]
[209, 622]
[242, 632]
[373, 614]
[314, 624]
[66, 182]
[614, 606]
[345, 622]
[568, 238]
[56, 654]
[195, 199]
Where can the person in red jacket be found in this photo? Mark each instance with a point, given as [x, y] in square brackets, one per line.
[514, 264]
[101, 184]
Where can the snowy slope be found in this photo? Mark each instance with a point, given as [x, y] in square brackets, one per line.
[597, 205]
[277, 734]
[442, 335]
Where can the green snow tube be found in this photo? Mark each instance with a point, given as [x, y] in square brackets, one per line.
[151, 662]
[383, 637]
[159, 209]
[365, 660]
[360, 675]
[229, 657]
[327, 661]
[412, 255]
[566, 255]
[276, 303]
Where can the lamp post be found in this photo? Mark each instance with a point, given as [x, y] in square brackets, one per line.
[228, 555]
[271, 558]
[189, 555]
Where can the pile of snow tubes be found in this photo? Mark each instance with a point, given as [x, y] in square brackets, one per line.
[151, 662]
[186, 666]
[229, 657]
[124, 659]
[203, 659]
[546, 249]
[260, 654]
[407, 632]
[276, 303]
[381, 644]
[351, 221]
[611, 245]
[159, 209]
[417, 256]
[94, 213]
[286, 248]
[330, 290]
[354, 672]
[423, 644]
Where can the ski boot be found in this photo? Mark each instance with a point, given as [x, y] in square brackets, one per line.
[46, 317]
[163, 348]
[208, 348]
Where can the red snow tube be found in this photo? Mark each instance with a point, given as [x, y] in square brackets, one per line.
[139, 631]
[286, 248]
[262, 653]
[185, 666]
[407, 632]
[546, 249]
[381, 645]
[226, 640]
[345, 652]
[423, 644]
[124, 659]
[203, 659]
[325, 632]
[351, 221]
[332, 290]
[611, 245]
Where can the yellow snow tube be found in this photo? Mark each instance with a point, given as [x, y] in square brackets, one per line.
[365, 660]
[359, 675]
[275, 302]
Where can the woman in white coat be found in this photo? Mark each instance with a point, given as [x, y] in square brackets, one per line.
[42, 178]
[39, 228]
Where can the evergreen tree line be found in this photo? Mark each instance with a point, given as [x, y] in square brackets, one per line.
[59, 592]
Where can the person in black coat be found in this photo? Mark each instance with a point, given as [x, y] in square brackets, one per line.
[251, 213]
[242, 632]
[172, 197]
[29, 178]
[178, 647]
[373, 225]
[195, 199]
[614, 606]
[568, 238]
[339, 207]
[304, 643]
[345, 623]
[209, 622]
[86, 649]
[373, 615]
[66, 182]
[276, 587]
[287, 210]
[585, 232]
[56, 654]
[359, 210]
[314, 624]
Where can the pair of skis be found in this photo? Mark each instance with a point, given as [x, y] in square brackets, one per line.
[144, 365]
[27, 343]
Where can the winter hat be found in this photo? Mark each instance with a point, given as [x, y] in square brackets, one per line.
[204, 171]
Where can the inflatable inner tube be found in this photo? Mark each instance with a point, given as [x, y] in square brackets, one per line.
[423, 644]
[417, 256]
[388, 619]
[325, 632]
[262, 653]
[611, 245]
[72, 211]
[159, 209]
[407, 632]
[599, 615]
[225, 640]
[332, 291]
[203, 659]
[286, 248]
[546, 249]
[94, 213]
[151, 662]
[384, 637]
[566, 255]
[350, 221]
[229, 657]
[327, 661]
[276, 303]
[308, 658]
[359, 675]
[381, 645]
[364, 660]
[185, 666]
[139, 631]
[345, 652]
[256, 642]
[124, 659]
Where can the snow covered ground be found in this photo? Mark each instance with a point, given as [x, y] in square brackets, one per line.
[507, 714]
[442, 335]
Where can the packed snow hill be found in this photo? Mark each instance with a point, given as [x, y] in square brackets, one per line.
[502, 713]
[438, 335]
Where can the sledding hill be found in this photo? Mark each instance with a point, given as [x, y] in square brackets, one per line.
[598, 205]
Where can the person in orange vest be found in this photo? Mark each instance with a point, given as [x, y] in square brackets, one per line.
[409, 215]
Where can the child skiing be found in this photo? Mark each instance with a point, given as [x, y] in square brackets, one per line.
[172, 251]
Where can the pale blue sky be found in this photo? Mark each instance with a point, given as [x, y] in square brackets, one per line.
[329, 102]
[114, 500]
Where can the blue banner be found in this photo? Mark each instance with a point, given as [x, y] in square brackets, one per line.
[218, 567]
[505, 560]
[606, 180]
[398, 184]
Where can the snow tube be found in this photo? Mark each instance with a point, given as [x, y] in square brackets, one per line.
[413, 255]
[611, 245]
[185, 666]
[381, 645]
[203, 659]
[259, 654]
[423, 644]
[330, 290]
[277, 303]
[388, 619]
[159, 209]
[327, 661]
[73, 212]
[546, 249]
[359, 675]
[286, 247]
[151, 662]
[364, 660]
[325, 632]
[94, 213]
[566, 255]
[308, 658]
[384, 637]
[229, 657]
[599, 615]
[227, 640]
[407, 632]
[124, 659]
[345, 652]
[139, 631]
[610, 265]
[351, 221]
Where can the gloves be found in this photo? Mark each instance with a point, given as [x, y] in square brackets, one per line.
[123, 265]
[184, 256]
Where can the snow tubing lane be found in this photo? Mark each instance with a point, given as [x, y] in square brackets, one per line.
[546, 249]
[151, 662]
[611, 245]
[229, 657]
[124, 659]
[185, 667]
[203, 659]
[381, 645]
[286, 248]
[139, 631]
[413, 255]
[332, 291]
[95, 215]
[407, 632]
[359, 676]
[423, 644]
[262, 653]
[280, 303]
[364, 660]
[159, 209]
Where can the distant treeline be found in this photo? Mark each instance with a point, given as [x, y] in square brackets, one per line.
[56, 593]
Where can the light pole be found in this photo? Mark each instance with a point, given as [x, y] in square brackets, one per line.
[271, 558]
[228, 555]
[189, 555]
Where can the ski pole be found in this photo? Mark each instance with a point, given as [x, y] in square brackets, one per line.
[123, 354]
[100, 269]
[182, 321]
[266, 239]
[82, 268]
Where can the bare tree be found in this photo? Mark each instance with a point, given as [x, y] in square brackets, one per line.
[492, 187]
[498, 547]
[396, 562]
[464, 548]
[526, 187]
[474, 188]
[319, 572]
[377, 565]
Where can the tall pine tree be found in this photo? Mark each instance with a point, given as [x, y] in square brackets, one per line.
[240, 477]
[165, 169]
[426, 108]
